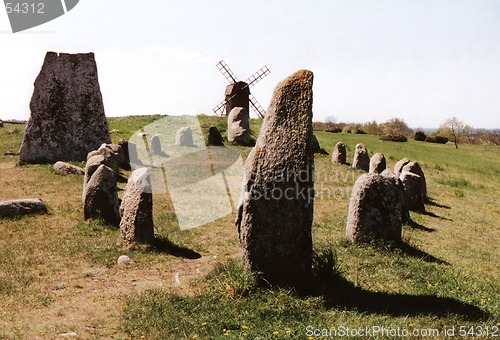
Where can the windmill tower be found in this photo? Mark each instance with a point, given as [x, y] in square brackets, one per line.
[238, 92]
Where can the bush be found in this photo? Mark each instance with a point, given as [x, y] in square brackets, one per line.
[335, 130]
[353, 128]
[396, 138]
[436, 139]
[420, 136]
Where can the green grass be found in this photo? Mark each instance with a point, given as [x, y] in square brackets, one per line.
[58, 273]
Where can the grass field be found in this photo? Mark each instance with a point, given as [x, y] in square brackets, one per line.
[58, 273]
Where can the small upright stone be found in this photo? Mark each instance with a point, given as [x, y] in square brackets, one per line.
[125, 161]
[339, 154]
[276, 210]
[101, 196]
[214, 137]
[375, 209]
[377, 163]
[111, 156]
[238, 126]
[361, 159]
[184, 137]
[398, 167]
[414, 196]
[415, 168]
[155, 145]
[137, 209]
[67, 114]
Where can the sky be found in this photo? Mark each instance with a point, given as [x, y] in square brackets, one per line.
[419, 60]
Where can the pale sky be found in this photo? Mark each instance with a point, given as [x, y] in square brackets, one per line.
[422, 61]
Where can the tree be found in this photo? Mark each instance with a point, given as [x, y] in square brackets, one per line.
[396, 127]
[330, 122]
[455, 129]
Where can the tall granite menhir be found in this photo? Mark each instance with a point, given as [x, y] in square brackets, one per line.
[276, 207]
[67, 114]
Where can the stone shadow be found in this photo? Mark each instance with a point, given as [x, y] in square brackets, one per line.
[419, 226]
[432, 202]
[340, 293]
[411, 251]
[162, 244]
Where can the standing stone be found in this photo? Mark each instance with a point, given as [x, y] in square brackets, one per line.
[111, 156]
[137, 209]
[67, 114]
[414, 196]
[214, 137]
[101, 196]
[184, 137]
[125, 161]
[405, 213]
[339, 154]
[155, 145]
[238, 126]
[1, 123]
[415, 168]
[398, 167]
[375, 210]
[377, 163]
[133, 154]
[276, 210]
[62, 168]
[361, 160]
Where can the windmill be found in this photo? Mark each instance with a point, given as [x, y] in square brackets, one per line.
[238, 92]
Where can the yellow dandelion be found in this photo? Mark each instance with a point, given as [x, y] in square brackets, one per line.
[204, 323]
[245, 334]
[276, 332]
[288, 331]
[411, 325]
[244, 327]
[143, 337]
[195, 336]
[429, 285]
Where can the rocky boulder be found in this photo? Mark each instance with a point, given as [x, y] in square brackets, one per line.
[22, 207]
[67, 114]
[238, 126]
[377, 163]
[276, 211]
[62, 168]
[339, 154]
[361, 159]
[375, 209]
[137, 209]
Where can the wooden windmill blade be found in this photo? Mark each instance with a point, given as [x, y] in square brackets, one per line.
[226, 72]
[257, 76]
[220, 108]
[256, 106]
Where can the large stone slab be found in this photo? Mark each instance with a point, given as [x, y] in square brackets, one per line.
[413, 189]
[276, 207]
[67, 114]
[137, 209]
[415, 168]
[375, 209]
